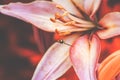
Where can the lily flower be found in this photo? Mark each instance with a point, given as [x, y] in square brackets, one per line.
[74, 21]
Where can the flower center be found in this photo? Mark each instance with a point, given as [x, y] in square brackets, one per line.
[79, 25]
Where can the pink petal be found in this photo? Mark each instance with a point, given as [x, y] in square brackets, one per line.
[84, 54]
[91, 6]
[111, 23]
[69, 6]
[37, 13]
[55, 62]
[79, 4]
[95, 7]
[88, 6]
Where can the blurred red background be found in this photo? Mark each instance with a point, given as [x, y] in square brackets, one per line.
[20, 50]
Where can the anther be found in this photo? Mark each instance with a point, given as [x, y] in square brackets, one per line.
[53, 19]
[60, 17]
[57, 16]
[59, 7]
[70, 23]
[65, 13]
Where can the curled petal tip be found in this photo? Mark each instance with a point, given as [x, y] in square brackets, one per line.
[111, 24]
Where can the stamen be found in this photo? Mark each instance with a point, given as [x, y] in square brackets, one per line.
[61, 17]
[88, 26]
[69, 23]
[62, 42]
[78, 19]
[53, 20]
[59, 7]
[64, 33]
[65, 13]
[57, 16]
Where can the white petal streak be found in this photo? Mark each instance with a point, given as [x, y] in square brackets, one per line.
[37, 13]
[79, 4]
[88, 6]
[91, 6]
[68, 5]
[55, 62]
[84, 56]
[95, 7]
[111, 23]
[78, 20]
